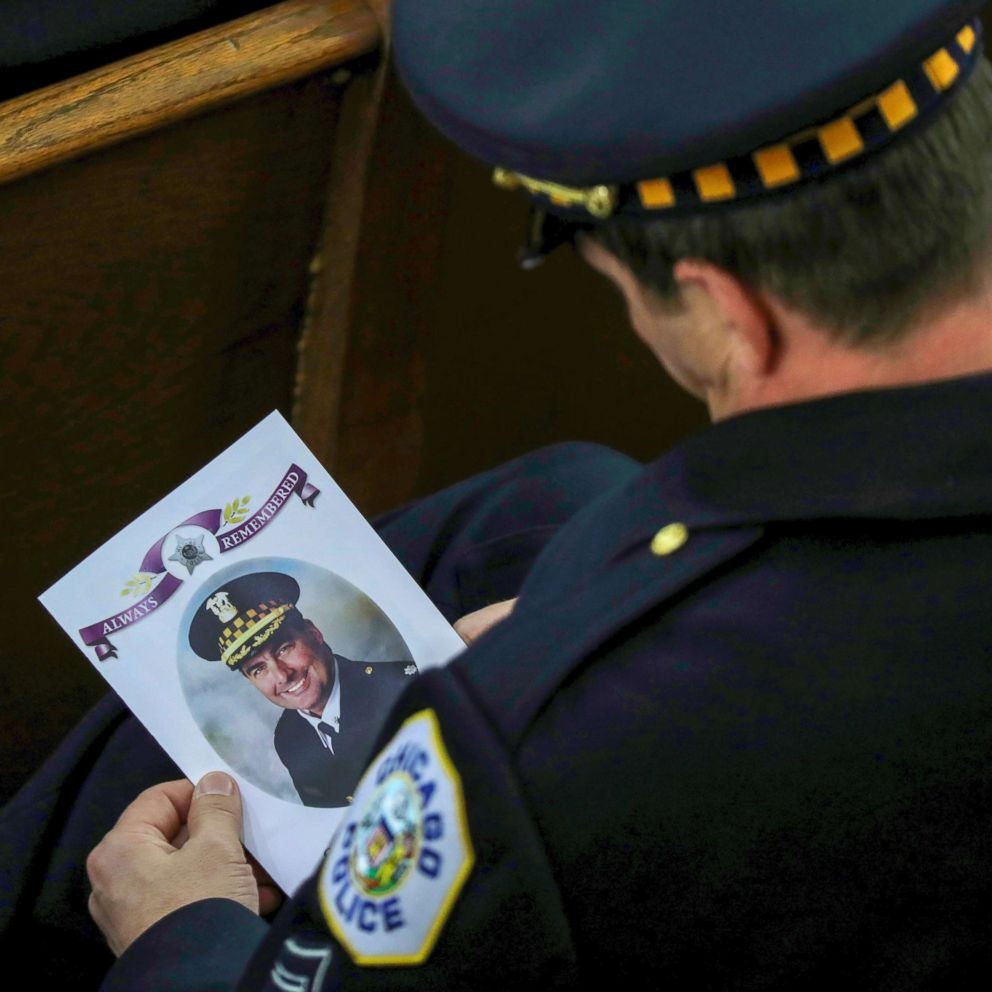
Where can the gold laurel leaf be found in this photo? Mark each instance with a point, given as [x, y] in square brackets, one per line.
[135, 585]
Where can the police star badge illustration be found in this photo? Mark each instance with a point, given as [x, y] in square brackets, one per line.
[189, 552]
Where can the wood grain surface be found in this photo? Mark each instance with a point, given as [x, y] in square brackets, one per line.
[254, 53]
[360, 384]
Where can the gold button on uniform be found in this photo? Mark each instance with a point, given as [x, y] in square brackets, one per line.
[670, 538]
[368, 669]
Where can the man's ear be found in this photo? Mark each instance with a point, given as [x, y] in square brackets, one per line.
[738, 307]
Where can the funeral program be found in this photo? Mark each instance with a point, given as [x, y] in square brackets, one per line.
[255, 623]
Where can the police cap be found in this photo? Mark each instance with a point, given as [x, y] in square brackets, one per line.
[238, 617]
[606, 107]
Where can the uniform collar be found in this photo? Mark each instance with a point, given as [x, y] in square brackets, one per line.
[918, 452]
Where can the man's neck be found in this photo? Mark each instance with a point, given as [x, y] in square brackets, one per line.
[954, 341]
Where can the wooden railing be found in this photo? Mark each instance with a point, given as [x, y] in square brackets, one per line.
[266, 49]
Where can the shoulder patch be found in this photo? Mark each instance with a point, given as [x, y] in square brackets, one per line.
[397, 864]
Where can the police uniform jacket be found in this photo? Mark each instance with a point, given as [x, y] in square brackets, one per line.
[750, 753]
[368, 691]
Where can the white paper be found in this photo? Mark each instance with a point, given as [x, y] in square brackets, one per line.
[129, 607]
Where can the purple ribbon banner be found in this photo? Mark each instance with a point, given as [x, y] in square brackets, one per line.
[294, 481]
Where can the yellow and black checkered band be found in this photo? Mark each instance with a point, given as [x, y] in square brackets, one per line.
[813, 152]
[249, 630]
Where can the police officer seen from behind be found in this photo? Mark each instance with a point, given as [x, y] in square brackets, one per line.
[335, 705]
[736, 732]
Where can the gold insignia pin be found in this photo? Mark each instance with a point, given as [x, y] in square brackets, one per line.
[670, 538]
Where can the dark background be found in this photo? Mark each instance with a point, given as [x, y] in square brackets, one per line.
[520, 359]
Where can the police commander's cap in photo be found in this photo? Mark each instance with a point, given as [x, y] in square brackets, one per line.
[603, 108]
[239, 616]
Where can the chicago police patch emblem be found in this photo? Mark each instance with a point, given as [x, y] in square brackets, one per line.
[397, 864]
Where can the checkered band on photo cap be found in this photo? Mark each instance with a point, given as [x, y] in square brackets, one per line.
[649, 108]
[238, 617]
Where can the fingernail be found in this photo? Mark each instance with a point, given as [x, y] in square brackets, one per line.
[214, 784]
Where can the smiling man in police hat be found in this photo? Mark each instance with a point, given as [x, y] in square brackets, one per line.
[334, 705]
[735, 734]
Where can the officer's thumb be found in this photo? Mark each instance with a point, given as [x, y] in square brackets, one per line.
[215, 811]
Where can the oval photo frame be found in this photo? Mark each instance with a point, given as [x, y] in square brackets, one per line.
[238, 721]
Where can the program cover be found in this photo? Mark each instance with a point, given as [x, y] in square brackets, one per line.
[256, 623]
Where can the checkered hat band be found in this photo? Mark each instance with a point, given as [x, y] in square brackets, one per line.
[251, 629]
[812, 153]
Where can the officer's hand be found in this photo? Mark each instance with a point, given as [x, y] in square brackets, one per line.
[270, 896]
[138, 873]
[473, 625]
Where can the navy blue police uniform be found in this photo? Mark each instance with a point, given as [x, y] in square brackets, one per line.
[323, 777]
[735, 734]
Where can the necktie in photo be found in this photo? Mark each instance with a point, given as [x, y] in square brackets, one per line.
[329, 731]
